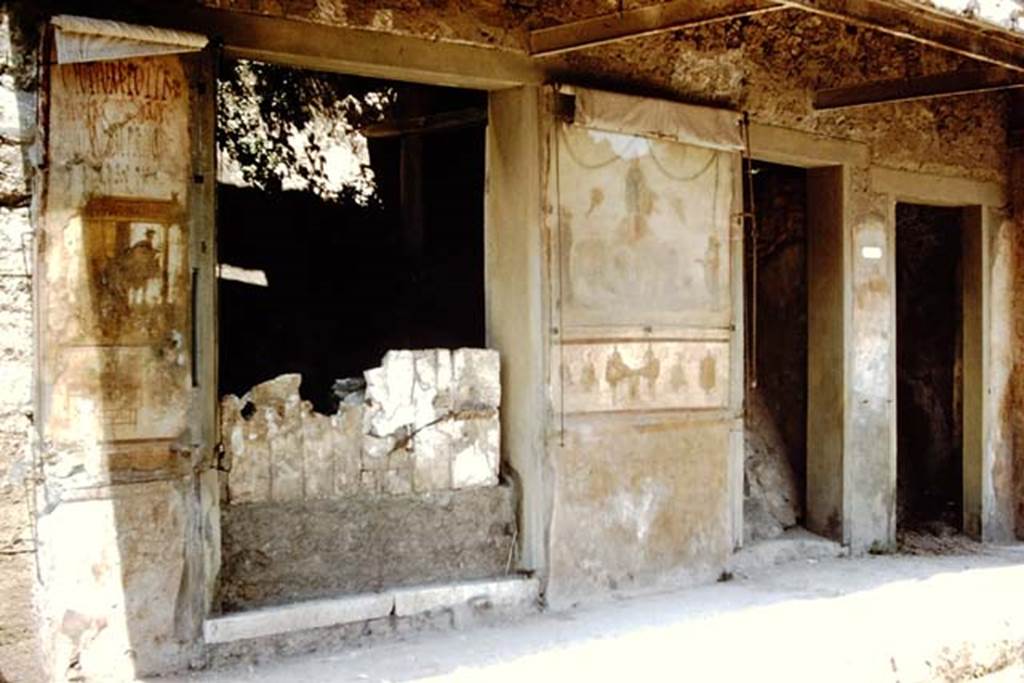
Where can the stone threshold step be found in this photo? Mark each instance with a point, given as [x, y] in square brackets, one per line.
[513, 591]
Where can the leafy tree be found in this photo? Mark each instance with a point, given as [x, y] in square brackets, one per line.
[281, 128]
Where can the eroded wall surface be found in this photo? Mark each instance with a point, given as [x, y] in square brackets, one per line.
[19, 637]
[770, 65]
[643, 371]
[428, 422]
[118, 509]
[398, 486]
[766, 65]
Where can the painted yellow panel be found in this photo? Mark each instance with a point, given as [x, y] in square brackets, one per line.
[645, 375]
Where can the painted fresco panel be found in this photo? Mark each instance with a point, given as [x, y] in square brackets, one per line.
[115, 257]
[644, 230]
[645, 375]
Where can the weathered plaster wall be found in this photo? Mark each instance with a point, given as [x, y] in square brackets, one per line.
[120, 516]
[770, 66]
[639, 502]
[645, 277]
[285, 552]
[19, 641]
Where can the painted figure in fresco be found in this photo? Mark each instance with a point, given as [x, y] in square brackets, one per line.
[632, 266]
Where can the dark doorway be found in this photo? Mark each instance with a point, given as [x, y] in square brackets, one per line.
[776, 389]
[350, 222]
[929, 366]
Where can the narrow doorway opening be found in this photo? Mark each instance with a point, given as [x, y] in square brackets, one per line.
[929, 368]
[775, 463]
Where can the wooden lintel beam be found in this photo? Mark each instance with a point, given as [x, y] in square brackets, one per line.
[357, 51]
[922, 87]
[917, 22]
[643, 21]
[428, 123]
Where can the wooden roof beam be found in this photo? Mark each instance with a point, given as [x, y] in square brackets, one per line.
[903, 89]
[643, 21]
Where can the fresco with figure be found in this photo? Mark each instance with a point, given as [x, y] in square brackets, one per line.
[644, 240]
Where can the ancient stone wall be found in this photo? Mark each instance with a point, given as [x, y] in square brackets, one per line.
[19, 644]
[398, 486]
[428, 422]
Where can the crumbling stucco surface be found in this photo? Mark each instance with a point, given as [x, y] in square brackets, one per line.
[428, 422]
[121, 516]
[642, 501]
[399, 486]
[20, 645]
[770, 65]
[283, 552]
[771, 499]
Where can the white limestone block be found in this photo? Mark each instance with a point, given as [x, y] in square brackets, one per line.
[389, 393]
[432, 457]
[475, 453]
[431, 393]
[477, 379]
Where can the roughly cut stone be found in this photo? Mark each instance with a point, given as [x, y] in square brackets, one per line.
[477, 379]
[429, 423]
[432, 391]
[398, 482]
[376, 451]
[347, 433]
[432, 456]
[475, 456]
[389, 393]
[771, 498]
[317, 455]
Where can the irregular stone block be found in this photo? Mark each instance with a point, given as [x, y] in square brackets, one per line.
[376, 451]
[318, 445]
[432, 390]
[398, 482]
[347, 433]
[371, 481]
[477, 379]
[286, 459]
[432, 457]
[476, 453]
[389, 393]
[281, 389]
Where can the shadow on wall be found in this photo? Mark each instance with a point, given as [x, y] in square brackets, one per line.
[776, 408]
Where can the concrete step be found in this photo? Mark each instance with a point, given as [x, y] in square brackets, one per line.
[794, 545]
[507, 593]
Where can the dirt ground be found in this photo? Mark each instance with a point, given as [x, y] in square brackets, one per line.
[931, 617]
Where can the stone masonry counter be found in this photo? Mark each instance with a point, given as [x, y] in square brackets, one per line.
[428, 422]
[399, 486]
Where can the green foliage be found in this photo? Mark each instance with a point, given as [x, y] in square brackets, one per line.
[276, 127]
